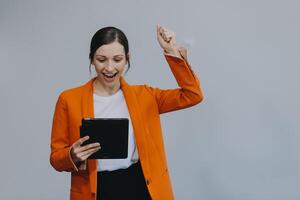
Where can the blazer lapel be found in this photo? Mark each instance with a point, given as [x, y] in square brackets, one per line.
[137, 123]
[88, 112]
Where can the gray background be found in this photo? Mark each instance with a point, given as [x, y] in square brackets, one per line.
[241, 143]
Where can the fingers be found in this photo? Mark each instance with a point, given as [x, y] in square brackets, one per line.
[88, 146]
[80, 141]
[85, 154]
[169, 36]
[80, 153]
[164, 33]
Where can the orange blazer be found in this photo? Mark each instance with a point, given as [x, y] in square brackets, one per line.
[145, 104]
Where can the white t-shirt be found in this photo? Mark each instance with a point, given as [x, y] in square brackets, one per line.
[114, 106]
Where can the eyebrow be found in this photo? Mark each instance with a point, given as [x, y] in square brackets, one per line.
[114, 55]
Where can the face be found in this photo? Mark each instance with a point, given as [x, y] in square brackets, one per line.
[109, 61]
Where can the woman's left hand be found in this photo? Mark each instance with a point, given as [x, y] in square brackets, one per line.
[167, 41]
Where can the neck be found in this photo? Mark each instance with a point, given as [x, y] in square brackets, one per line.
[103, 90]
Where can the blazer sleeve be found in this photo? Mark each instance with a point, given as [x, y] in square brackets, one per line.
[189, 92]
[60, 157]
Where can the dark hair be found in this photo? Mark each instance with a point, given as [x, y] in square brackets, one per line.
[108, 35]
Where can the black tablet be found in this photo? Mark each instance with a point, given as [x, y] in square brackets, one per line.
[111, 133]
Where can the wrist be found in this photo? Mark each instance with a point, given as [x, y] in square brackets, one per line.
[173, 52]
[73, 157]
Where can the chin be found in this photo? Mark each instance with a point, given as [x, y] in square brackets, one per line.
[113, 83]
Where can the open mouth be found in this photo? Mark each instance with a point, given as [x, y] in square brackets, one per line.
[110, 76]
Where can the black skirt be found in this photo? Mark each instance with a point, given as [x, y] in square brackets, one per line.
[122, 184]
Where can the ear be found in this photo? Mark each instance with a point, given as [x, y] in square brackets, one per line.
[92, 62]
[128, 57]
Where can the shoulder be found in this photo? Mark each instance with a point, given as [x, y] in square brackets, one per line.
[143, 89]
[71, 93]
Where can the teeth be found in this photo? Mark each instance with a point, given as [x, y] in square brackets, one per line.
[110, 75]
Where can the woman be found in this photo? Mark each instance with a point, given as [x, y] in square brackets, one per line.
[144, 173]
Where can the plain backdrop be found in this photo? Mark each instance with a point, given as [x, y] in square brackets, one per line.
[241, 143]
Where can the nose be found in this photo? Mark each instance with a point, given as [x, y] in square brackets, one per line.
[109, 67]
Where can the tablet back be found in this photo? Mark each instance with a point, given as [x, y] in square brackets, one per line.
[111, 133]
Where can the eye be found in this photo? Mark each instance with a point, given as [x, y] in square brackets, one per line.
[118, 60]
[101, 60]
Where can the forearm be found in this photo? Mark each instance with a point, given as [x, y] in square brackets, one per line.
[186, 79]
[187, 94]
[61, 160]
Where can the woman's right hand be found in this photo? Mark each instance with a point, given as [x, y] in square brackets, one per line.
[81, 153]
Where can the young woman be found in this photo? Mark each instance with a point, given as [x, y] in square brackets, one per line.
[144, 173]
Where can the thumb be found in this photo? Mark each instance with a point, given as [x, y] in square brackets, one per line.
[158, 30]
[160, 38]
